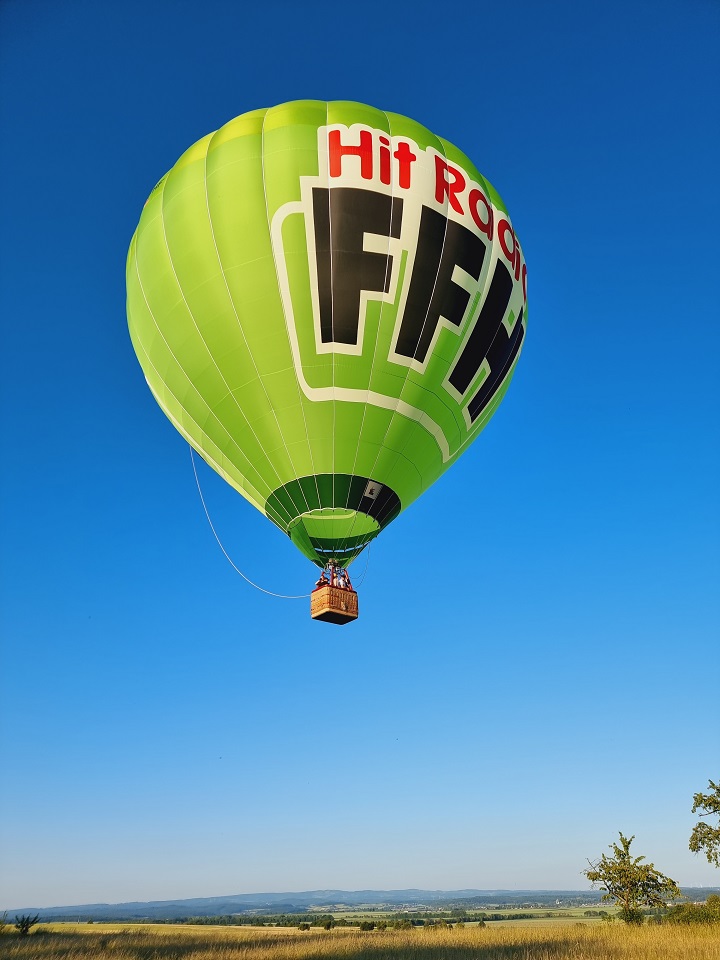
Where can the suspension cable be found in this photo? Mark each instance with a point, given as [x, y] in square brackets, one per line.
[282, 596]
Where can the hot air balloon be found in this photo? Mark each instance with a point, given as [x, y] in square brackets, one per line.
[328, 302]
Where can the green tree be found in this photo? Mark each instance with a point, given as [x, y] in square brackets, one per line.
[708, 912]
[630, 882]
[705, 837]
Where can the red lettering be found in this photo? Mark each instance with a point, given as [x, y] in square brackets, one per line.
[444, 187]
[384, 160]
[504, 229]
[475, 198]
[338, 150]
[405, 158]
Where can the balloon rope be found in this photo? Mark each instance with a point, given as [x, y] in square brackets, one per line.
[282, 596]
[359, 583]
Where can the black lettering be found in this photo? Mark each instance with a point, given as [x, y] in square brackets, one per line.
[442, 245]
[342, 216]
[501, 355]
[485, 329]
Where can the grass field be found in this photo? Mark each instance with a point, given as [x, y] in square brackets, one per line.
[158, 942]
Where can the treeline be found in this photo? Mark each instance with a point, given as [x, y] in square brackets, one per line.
[327, 921]
[264, 920]
[402, 920]
[419, 918]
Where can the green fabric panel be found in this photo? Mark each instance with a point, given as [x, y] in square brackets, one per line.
[401, 126]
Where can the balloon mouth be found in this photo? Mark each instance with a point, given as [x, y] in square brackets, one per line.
[336, 537]
[331, 518]
[336, 523]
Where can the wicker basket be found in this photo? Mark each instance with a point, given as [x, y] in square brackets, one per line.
[334, 604]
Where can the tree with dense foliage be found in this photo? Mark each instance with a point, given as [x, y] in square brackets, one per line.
[705, 837]
[630, 882]
[708, 912]
[24, 922]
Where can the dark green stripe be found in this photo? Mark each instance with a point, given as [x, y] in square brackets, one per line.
[332, 490]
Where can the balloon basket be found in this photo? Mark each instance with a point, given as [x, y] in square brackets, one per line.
[334, 604]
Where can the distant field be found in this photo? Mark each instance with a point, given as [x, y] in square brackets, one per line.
[530, 915]
[528, 941]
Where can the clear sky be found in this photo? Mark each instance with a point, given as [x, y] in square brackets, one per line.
[536, 664]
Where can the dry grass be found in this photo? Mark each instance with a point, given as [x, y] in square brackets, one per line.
[561, 942]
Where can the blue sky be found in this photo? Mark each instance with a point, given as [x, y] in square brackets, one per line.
[546, 672]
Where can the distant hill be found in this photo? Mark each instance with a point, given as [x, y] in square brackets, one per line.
[247, 904]
[274, 903]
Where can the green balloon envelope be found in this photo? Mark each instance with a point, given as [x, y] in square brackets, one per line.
[328, 302]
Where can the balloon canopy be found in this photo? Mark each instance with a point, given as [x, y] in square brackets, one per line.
[328, 302]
